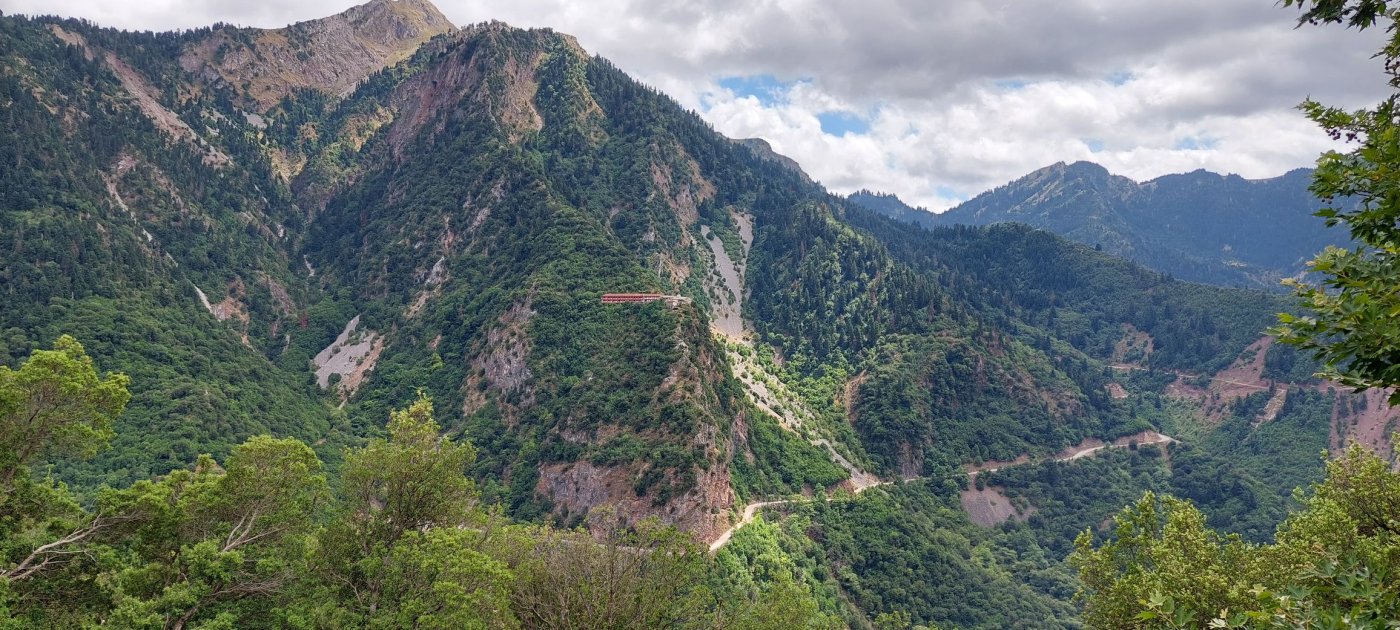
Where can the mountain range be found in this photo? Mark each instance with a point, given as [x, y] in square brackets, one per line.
[296, 231]
[1197, 226]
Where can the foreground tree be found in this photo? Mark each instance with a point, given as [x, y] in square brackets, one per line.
[1332, 566]
[415, 480]
[405, 549]
[642, 577]
[1161, 548]
[55, 404]
[261, 542]
[214, 543]
[1354, 321]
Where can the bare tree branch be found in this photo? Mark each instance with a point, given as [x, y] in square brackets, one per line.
[45, 555]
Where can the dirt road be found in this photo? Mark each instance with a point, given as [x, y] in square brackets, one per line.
[751, 510]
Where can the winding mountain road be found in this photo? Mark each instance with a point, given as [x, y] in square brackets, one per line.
[751, 510]
[1217, 379]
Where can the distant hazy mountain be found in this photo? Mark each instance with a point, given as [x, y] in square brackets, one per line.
[1198, 226]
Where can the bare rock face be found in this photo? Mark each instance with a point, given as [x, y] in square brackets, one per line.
[349, 359]
[703, 511]
[330, 54]
[475, 77]
[989, 507]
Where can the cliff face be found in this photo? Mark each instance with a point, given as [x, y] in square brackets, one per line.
[331, 54]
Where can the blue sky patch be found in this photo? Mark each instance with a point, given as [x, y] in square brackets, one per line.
[1119, 78]
[841, 123]
[765, 87]
[1095, 145]
[1011, 85]
[1196, 143]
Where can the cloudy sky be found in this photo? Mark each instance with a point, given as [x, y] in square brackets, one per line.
[936, 101]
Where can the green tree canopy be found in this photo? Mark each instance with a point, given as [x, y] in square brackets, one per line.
[1354, 320]
[1332, 565]
[55, 404]
[414, 480]
[201, 540]
[1161, 545]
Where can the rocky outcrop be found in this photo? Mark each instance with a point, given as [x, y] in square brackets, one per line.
[989, 506]
[762, 149]
[501, 365]
[330, 54]
[583, 487]
[685, 190]
[497, 75]
[348, 360]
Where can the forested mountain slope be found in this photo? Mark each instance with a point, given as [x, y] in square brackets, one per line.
[120, 219]
[444, 220]
[1196, 226]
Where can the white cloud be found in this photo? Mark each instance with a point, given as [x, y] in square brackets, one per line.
[961, 95]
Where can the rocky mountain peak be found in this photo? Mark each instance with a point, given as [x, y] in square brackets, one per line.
[331, 54]
[1085, 172]
[393, 21]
